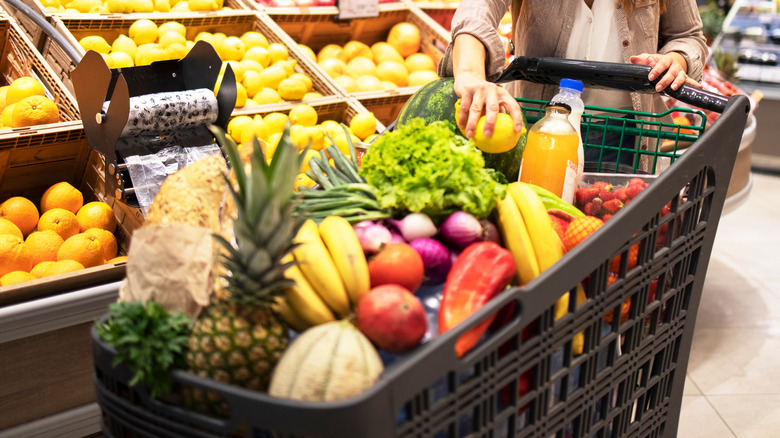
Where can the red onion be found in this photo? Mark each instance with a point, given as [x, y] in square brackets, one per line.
[372, 236]
[490, 231]
[436, 259]
[461, 229]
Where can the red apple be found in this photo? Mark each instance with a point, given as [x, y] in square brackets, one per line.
[392, 318]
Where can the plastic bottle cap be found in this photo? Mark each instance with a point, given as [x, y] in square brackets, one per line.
[571, 83]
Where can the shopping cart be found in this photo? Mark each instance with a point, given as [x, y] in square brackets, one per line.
[523, 379]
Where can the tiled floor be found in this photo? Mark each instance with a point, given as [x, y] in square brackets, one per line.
[733, 382]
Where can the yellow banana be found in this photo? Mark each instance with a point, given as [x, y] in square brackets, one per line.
[318, 267]
[516, 238]
[547, 245]
[562, 308]
[288, 314]
[302, 298]
[347, 254]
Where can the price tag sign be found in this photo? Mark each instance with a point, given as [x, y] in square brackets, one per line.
[358, 8]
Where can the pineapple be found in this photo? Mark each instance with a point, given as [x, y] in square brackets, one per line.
[239, 337]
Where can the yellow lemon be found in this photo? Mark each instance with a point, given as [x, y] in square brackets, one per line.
[119, 6]
[369, 83]
[83, 6]
[316, 136]
[176, 51]
[308, 52]
[232, 49]
[422, 77]
[305, 79]
[419, 62]
[273, 76]
[347, 83]
[271, 144]
[171, 37]
[311, 95]
[250, 65]
[96, 43]
[266, 96]
[331, 126]
[238, 70]
[383, 51]
[360, 66]
[124, 44]
[240, 96]
[205, 36]
[182, 6]
[189, 45]
[203, 5]
[288, 65]
[162, 6]
[389, 85]
[258, 129]
[253, 83]
[342, 142]
[51, 4]
[276, 122]
[303, 180]
[236, 125]
[311, 153]
[143, 31]
[258, 54]
[363, 125]
[304, 115]
[143, 6]
[174, 26]
[292, 89]
[278, 52]
[393, 71]
[121, 60]
[299, 137]
[254, 39]
[370, 138]
[504, 136]
[329, 51]
[354, 49]
[334, 67]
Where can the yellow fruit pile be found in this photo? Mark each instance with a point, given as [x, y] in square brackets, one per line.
[129, 6]
[305, 130]
[66, 236]
[24, 103]
[385, 65]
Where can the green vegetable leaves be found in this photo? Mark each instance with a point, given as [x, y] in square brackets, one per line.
[148, 340]
[429, 169]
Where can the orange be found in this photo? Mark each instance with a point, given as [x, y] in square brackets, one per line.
[44, 245]
[14, 255]
[3, 90]
[107, 241]
[360, 66]
[405, 38]
[83, 249]
[23, 87]
[96, 215]
[419, 61]
[120, 259]
[34, 110]
[385, 52]
[369, 83]
[60, 220]
[354, 49]
[334, 67]
[22, 212]
[393, 71]
[8, 227]
[62, 195]
[6, 116]
[39, 270]
[62, 267]
[329, 51]
[14, 277]
[422, 77]
[347, 83]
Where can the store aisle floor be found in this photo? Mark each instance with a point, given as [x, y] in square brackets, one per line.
[733, 382]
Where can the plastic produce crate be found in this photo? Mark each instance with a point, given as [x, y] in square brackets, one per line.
[320, 28]
[231, 23]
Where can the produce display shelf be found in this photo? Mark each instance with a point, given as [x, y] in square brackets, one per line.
[320, 28]
[440, 12]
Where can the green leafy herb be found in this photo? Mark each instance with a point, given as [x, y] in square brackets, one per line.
[429, 169]
[148, 340]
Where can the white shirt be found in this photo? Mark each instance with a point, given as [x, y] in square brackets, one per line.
[595, 37]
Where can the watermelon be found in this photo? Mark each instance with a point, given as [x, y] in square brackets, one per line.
[436, 101]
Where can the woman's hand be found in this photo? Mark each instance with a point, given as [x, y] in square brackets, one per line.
[480, 97]
[670, 67]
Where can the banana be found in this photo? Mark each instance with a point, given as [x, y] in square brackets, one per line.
[303, 300]
[288, 314]
[516, 237]
[547, 245]
[318, 267]
[347, 254]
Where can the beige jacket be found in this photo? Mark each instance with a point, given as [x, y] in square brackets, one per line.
[544, 28]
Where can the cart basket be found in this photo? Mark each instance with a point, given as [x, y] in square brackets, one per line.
[523, 378]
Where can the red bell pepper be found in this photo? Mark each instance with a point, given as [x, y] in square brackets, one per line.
[480, 272]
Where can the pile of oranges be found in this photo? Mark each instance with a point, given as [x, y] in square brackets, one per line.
[24, 103]
[67, 235]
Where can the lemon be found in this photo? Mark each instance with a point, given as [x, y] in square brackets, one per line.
[96, 43]
[370, 138]
[250, 102]
[143, 31]
[258, 54]
[331, 126]
[311, 153]
[266, 96]
[369, 83]
[220, 77]
[143, 6]
[258, 129]
[272, 143]
[189, 45]
[316, 136]
[347, 83]
[51, 4]
[176, 50]
[343, 144]
[311, 95]
[273, 76]
[254, 39]
[108, 60]
[288, 65]
[148, 53]
[292, 89]
[83, 5]
[205, 36]
[203, 5]
[249, 65]
[308, 51]
[278, 52]
[123, 43]
[252, 83]
[334, 67]
[119, 6]
[304, 115]
[389, 85]
[240, 96]
[422, 77]
[299, 137]
[276, 122]
[232, 49]
[236, 125]
[504, 136]
[174, 26]
[303, 180]
[238, 71]
[182, 6]
[162, 6]
[171, 37]
[363, 125]
[305, 79]
[121, 60]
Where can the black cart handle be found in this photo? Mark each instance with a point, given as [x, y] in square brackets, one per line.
[613, 75]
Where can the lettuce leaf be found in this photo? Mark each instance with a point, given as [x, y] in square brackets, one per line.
[429, 169]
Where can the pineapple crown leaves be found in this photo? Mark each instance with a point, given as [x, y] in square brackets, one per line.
[148, 340]
[265, 225]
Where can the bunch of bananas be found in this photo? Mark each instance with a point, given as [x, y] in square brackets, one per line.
[330, 272]
[529, 235]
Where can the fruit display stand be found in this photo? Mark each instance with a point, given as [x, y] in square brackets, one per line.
[440, 12]
[320, 28]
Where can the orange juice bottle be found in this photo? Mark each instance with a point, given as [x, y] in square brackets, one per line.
[550, 158]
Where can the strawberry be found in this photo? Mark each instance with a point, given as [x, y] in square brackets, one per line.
[622, 194]
[637, 181]
[597, 203]
[600, 184]
[606, 193]
[613, 205]
[633, 190]
[606, 217]
[589, 209]
[579, 229]
[583, 195]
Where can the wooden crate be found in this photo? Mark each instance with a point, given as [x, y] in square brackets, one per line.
[231, 23]
[320, 28]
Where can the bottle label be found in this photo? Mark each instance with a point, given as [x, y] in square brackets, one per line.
[569, 182]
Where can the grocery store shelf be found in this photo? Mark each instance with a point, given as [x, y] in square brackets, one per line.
[75, 423]
[56, 312]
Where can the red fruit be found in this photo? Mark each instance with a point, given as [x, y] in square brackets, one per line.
[600, 184]
[633, 257]
[637, 181]
[606, 217]
[597, 204]
[622, 194]
[589, 210]
[397, 263]
[583, 195]
[392, 318]
[580, 229]
[613, 205]
[633, 190]
[606, 193]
